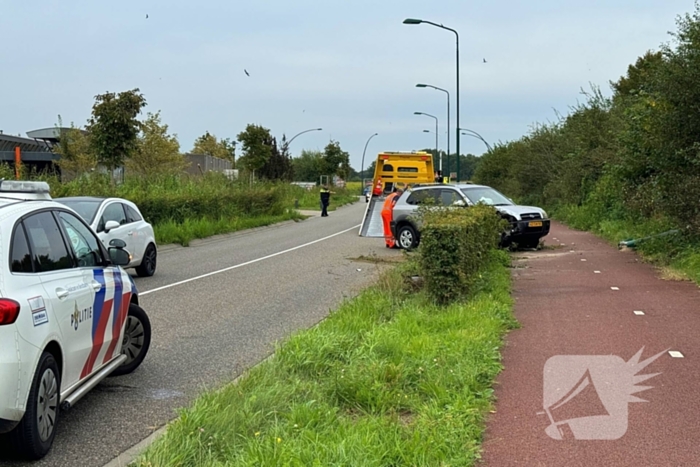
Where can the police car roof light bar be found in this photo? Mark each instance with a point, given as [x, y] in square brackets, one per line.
[16, 186]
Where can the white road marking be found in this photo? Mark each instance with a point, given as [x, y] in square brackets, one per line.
[675, 354]
[584, 259]
[614, 288]
[596, 272]
[639, 312]
[247, 263]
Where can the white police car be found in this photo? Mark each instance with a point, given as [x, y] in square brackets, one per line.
[69, 314]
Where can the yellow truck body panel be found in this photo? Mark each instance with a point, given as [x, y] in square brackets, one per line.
[402, 169]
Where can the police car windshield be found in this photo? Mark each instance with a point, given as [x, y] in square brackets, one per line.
[486, 195]
[86, 208]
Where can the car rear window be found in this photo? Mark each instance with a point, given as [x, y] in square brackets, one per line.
[132, 215]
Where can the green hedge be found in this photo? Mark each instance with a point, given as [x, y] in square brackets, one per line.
[235, 203]
[455, 245]
[176, 199]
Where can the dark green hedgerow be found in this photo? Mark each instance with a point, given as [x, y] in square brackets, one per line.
[455, 243]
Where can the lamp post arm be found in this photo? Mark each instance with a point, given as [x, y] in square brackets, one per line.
[476, 135]
[299, 134]
[362, 167]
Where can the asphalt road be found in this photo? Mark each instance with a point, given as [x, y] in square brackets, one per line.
[580, 299]
[208, 330]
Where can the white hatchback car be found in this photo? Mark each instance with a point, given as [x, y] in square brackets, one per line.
[119, 218]
[69, 315]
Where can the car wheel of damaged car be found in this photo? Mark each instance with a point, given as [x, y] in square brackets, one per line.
[137, 339]
[407, 237]
[530, 243]
[35, 433]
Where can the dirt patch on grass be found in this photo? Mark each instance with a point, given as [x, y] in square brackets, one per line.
[376, 259]
[670, 274]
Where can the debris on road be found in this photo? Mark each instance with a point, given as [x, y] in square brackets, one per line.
[633, 243]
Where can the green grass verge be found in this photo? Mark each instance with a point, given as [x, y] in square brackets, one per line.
[183, 233]
[387, 379]
[678, 252]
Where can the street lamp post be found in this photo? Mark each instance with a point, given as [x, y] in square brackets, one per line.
[437, 151]
[419, 21]
[428, 131]
[305, 131]
[362, 167]
[448, 118]
[476, 135]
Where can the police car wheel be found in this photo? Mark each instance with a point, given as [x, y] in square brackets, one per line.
[137, 339]
[34, 435]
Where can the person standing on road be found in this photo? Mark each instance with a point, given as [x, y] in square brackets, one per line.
[325, 200]
[387, 217]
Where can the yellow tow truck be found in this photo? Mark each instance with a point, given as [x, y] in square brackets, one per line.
[394, 170]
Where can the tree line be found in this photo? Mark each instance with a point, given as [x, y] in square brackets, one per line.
[115, 137]
[632, 155]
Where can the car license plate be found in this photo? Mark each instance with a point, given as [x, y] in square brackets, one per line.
[535, 224]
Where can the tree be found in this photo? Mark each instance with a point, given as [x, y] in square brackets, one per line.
[257, 147]
[75, 151]
[640, 76]
[279, 165]
[113, 126]
[369, 171]
[157, 152]
[209, 145]
[337, 161]
[309, 166]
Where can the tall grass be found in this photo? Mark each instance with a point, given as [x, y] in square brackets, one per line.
[388, 379]
[679, 251]
[184, 232]
[182, 207]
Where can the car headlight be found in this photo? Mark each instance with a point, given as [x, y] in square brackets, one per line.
[544, 214]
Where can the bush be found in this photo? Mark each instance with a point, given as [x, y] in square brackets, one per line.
[455, 244]
[180, 198]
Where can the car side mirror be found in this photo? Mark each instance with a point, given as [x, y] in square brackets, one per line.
[111, 225]
[117, 242]
[119, 256]
[459, 202]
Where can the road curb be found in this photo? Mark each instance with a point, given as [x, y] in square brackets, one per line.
[130, 455]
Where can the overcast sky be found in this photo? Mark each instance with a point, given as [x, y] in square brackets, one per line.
[349, 67]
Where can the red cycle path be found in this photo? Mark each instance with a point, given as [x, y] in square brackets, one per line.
[565, 308]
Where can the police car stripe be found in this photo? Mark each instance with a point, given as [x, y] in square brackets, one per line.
[101, 314]
[116, 316]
